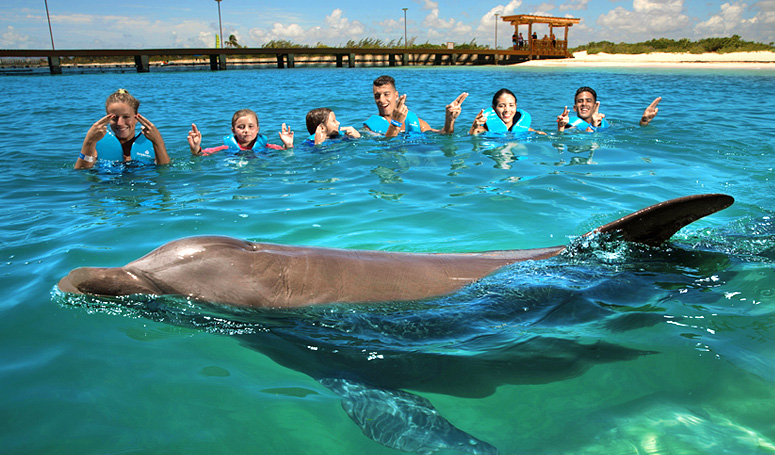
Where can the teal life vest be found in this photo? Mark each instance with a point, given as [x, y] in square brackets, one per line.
[379, 124]
[582, 125]
[496, 125]
[109, 148]
[258, 146]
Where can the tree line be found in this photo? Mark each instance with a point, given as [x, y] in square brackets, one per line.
[718, 45]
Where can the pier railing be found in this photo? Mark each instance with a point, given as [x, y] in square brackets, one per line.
[290, 57]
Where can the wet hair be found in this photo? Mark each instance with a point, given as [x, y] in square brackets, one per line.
[317, 116]
[122, 96]
[384, 80]
[242, 113]
[501, 92]
[585, 89]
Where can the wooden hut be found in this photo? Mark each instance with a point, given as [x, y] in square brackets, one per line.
[544, 45]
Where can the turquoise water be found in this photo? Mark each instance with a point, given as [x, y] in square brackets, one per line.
[613, 350]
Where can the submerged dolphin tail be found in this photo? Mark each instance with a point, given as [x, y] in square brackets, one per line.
[654, 225]
[401, 420]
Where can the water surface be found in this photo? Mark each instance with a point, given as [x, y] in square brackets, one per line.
[100, 376]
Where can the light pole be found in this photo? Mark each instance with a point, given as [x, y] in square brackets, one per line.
[405, 45]
[496, 30]
[50, 32]
[220, 27]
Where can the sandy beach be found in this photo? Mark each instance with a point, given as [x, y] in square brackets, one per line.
[752, 60]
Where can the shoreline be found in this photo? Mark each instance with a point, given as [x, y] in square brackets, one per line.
[732, 60]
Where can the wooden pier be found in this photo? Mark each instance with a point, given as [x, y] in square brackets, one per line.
[533, 48]
[219, 59]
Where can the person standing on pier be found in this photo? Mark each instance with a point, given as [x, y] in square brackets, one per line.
[395, 117]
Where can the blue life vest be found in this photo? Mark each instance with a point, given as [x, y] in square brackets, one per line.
[109, 148]
[496, 125]
[380, 125]
[258, 146]
[582, 125]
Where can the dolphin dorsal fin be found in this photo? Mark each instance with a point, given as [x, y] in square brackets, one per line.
[655, 224]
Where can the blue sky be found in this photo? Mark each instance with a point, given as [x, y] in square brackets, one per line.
[83, 24]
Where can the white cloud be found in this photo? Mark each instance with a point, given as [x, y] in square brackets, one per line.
[724, 23]
[10, 38]
[336, 30]
[574, 5]
[73, 19]
[437, 28]
[337, 23]
[730, 20]
[648, 19]
[487, 21]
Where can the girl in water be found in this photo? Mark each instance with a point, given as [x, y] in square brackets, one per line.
[503, 116]
[245, 136]
[119, 142]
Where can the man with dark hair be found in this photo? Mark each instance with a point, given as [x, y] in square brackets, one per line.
[588, 117]
[394, 116]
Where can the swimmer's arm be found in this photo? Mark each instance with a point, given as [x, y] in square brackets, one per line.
[152, 134]
[350, 131]
[424, 126]
[453, 110]
[650, 112]
[597, 117]
[563, 120]
[536, 131]
[479, 125]
[320, 135]
[195, 140]
[211, 150]
[399, 115]
[89, 147]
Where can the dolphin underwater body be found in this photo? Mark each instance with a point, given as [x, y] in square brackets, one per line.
[280, 280]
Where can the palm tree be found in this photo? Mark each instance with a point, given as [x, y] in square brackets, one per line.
[232, 42]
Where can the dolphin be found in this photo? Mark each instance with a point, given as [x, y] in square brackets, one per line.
[265, 275]
[368, 370]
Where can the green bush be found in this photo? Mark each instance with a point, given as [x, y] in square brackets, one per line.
[719, 45]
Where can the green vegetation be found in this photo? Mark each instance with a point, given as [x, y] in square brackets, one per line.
[719, 45]
[372, 43]
[232, 42]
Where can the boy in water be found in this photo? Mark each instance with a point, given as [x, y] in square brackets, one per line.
[322, 125]
[589, 118]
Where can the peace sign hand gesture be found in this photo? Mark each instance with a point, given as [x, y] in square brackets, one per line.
[563, 119]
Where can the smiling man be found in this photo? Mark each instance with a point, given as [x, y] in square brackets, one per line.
[589, 118]
[395, 117]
